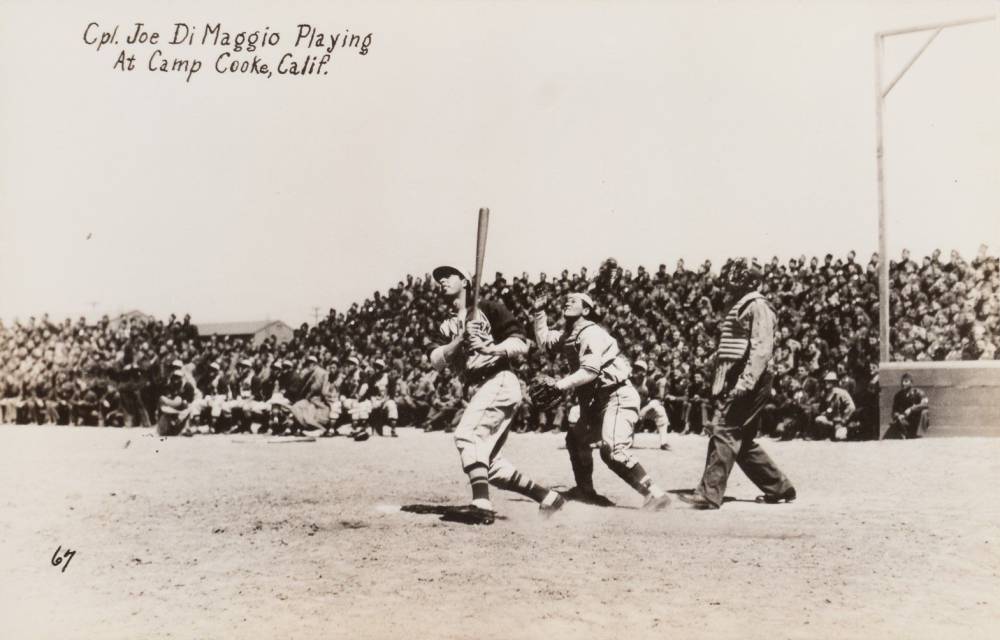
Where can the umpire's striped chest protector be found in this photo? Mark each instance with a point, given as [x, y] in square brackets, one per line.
[735, 340]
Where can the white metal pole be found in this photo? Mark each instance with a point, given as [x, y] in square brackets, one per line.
[883, 249]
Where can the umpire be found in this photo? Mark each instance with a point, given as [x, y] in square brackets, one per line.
[740, 389]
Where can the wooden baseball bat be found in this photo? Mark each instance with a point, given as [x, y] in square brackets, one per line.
[484, 223]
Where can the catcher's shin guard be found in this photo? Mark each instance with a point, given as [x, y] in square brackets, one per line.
[627, 468]
[581, 459]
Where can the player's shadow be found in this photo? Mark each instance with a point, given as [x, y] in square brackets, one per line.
[689, 492]
[563, 490]
[448, 512]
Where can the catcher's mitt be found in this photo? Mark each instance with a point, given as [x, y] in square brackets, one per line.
[543, 392]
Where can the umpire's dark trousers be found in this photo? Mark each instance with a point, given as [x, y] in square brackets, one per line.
[732, 442]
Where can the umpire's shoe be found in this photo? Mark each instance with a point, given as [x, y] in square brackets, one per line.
[787, 496]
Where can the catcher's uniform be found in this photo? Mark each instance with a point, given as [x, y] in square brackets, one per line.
[609, 406]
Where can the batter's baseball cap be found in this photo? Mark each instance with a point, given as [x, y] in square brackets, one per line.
[446, 270]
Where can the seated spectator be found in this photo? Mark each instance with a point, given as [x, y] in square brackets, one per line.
[699, 410]
[865, 424]
[380, 394]
[650, 406]
[311, 408]
[910, 410]
[836, 411]
[174, 405]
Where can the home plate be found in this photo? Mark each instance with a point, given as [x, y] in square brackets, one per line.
[274, 440]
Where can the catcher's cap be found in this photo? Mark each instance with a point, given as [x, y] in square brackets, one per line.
[584, 298]
[177, 364]
[446, 270]
[830, 377]
[641, 364]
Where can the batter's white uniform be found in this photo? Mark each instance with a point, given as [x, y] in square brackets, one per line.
[496, 391]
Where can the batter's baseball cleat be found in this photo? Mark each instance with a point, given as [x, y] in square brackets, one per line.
[656, 503]
[478, 515]
[697, 501]
[547, 511]
[788, 496]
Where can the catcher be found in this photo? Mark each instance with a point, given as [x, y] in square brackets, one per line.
[609, 404]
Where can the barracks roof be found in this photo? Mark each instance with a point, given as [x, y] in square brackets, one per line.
[239, 328]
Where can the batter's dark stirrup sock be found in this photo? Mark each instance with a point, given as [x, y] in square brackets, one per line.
[480, 489]
[479, 479]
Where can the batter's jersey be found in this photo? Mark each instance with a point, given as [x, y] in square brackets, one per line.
[497, 324]
[588, 346]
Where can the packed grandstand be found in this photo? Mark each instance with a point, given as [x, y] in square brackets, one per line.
[116, 373]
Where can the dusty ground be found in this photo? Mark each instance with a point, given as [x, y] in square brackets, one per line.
[210, 538]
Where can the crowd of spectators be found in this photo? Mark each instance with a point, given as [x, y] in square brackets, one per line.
[117, 372]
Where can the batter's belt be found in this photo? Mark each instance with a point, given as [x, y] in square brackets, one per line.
[476, 377]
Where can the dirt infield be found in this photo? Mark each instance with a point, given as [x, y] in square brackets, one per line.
[209, 538]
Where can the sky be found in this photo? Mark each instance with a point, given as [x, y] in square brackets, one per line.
[646, 131]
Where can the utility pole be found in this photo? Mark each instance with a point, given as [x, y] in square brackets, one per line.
[880, 94]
